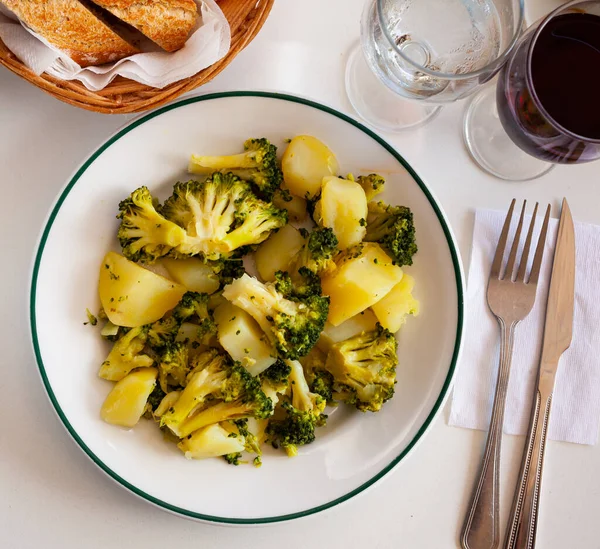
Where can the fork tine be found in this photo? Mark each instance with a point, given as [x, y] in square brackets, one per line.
[497, 263]
[510, 266]
[525, 256]
[539, 253]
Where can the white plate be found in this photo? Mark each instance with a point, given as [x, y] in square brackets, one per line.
[354, 450]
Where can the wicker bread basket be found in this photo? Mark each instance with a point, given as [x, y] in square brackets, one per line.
[121, 96]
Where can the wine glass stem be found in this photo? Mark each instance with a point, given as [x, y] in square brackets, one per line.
[491, 147]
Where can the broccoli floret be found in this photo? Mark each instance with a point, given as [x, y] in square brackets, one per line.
[235, 395]
[144, 234]
[212, 375]
[91, 319]
[163, 332]
[295, 429]
[322, 384]
[277, 375]
[318, 251]
[305, 284]
[275, 379]
[156, 397]
[302, 397]
[256, 220]
[301, 415]
[372, 184]
[257, 164]
[393, 228]
[194, 307]
[219, 216]
[126, 354]
[249, 405]
[283, 195]
[274, 382]
[319, 379]
[206, 210]
[292, 317]
[233, 459]
[228, 270]
[364, 369]
[173, 366]
[311, 206]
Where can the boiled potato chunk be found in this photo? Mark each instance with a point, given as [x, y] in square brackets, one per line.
[362, 322]
[211, 441]
[359, 282]
[241, 336]
[277, 252]
[306, 161]
[391, 311]
[126, 403]
[192, 273]
[133, 296]
[296, 206]
[343, 208]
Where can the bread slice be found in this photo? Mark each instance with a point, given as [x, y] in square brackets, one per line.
[73, 28]
[167, 23]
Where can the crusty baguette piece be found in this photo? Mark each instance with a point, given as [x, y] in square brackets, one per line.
[167, 23]
[73, 28]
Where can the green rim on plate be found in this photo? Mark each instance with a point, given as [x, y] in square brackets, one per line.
[122, 481]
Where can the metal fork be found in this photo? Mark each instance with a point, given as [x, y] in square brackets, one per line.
[510, 298]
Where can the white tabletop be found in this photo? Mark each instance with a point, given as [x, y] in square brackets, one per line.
[52, 495]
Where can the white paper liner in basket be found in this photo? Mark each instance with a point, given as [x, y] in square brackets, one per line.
[209, 42]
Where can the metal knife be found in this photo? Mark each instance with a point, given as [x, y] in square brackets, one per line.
[558, 331]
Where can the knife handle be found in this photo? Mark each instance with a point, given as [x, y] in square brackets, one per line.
[523, 521]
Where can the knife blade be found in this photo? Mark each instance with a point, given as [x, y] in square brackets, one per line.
[558, 332]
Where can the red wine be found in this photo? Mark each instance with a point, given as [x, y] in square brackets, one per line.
[553, 112]
[565, 70]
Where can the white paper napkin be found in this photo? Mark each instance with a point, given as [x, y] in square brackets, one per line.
[208, 43]
[576, 402]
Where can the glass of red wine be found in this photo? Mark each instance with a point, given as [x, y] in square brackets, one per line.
[545, 107]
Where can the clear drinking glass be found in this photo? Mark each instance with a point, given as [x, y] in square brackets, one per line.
[415, 55]
[545, 108]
